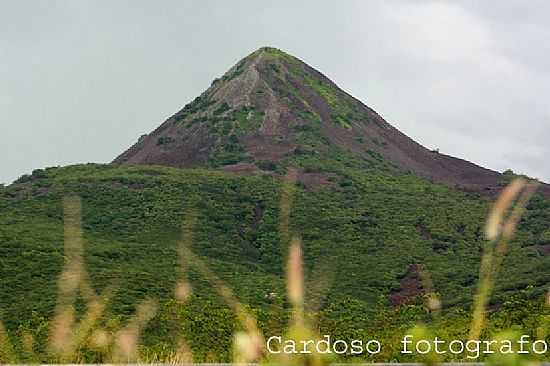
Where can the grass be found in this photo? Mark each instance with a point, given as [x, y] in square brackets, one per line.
[102, 263]
[146, 287]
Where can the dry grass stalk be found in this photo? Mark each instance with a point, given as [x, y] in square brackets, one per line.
[7, 353]
[248, 345]
[61, 330]
[69, 280]
[85, 327]
[183, 291]
[183, 288]
[127, 339]
[495, 219]
[67, 336]
[100, 339]
[182, 355]
[295, 278]
[187, 236]
[27, 341]
[433, 303]
[316, 288]
[250, 348]
[288, 190]
[299, 330]
[246, 320]
[510, 226]
[499, 230]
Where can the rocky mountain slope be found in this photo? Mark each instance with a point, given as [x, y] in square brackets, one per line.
[374, 223]
[270, 107]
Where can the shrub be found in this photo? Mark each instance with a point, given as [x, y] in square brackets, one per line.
[222, 108]
[266, 165]
[24, 179]
[165, 140]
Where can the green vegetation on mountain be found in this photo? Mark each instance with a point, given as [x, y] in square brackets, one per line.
[386, 226]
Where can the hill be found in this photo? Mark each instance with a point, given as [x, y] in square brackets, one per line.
[363, 237]
[270, 109]
[374, 209]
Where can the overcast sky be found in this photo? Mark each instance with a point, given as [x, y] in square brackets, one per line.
[81, 80]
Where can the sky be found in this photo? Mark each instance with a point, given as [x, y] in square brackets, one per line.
[80, 81]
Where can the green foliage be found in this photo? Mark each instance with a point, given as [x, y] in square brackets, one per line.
[370, 229]
[227, 156]
[234, 72]
[247, 118]
[275, 54]
[165, 140]
[344, 110]
[200, 103]
[229, 152]
[222, 109]
[206, 326]
[228, 128]
[266, 165]
[35, 175]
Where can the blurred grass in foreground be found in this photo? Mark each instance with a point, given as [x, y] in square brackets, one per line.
[71, 335]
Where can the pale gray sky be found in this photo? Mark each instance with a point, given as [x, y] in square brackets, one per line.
[81, 80]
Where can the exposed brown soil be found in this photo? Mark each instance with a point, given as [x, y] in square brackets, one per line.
[410, 288]
[543, 249]
[242, 168]
[311, 180]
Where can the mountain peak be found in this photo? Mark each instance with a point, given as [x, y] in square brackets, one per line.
[272, 52]
[272, 110]
[262, 108]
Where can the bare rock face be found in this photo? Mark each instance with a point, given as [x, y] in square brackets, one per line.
[270, 107]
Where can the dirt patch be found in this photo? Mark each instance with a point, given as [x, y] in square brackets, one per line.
[308, 180]
[543, 249]
[424, 231]
[312, 180]
[241, 168]
[410, 288]
[263, 147]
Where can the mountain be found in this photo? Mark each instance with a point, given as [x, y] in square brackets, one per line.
[271, 107]
[377, 215]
